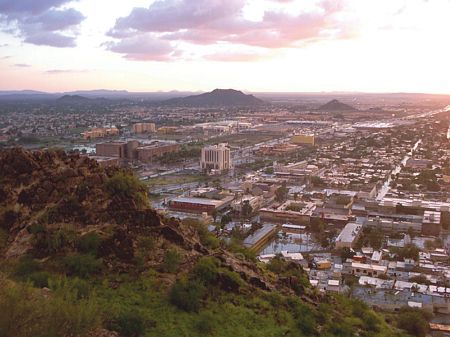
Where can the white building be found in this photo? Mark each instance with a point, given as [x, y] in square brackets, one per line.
[216, 158]
[349, 235]
[372, 270]
[254, 202]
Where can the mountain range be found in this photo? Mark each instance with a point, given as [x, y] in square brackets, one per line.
[32, 95]
[217, 97]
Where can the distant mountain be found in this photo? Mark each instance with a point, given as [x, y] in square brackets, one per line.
[25, 95]
[22, 92]
[72, 99]
[124, 94]
[335, 105]
[100, 93]
[217, 97]
[32, 95]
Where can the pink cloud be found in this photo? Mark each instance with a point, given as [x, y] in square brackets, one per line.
[208, 22]
[143, 47]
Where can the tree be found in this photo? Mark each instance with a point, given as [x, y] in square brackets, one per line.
[214, 214]
[171, 261]
[281, 192]
[187, 294]
[316, 181]
[126, 184]
[226, 218]
[421, 279]
[429, 244]
[411, 233]
[346, 253]
[414, 321]
[246, 209]
[410, 251]
[376, 239]
[295, 196]
[129, 324]
[82, 265]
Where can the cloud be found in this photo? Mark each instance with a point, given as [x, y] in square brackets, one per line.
[212, 22]
[173, 15]
[41, 22]
[28, 6]
[234, 57]
[143, 48]
[50, 39]
[22, 65]
[65, 71]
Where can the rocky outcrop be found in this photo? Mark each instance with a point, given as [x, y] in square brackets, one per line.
[50, 199]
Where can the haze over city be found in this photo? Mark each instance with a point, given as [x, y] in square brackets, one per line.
[256, 46]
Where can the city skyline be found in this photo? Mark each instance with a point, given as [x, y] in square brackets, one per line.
[257, 46]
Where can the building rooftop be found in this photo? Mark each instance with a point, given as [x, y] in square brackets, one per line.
[349, 233]
[200, 201]
[369, 266]
[258, 235]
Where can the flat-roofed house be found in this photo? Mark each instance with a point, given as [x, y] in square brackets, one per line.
[363, 269]
[349, 235]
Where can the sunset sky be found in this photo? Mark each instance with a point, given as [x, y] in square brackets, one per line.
[251, 45]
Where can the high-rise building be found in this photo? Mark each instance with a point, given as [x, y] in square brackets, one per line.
[216, 158]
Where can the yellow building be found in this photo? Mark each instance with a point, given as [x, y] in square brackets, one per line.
[144, 127]
[100, 133]
[303, 140]
[167, 129]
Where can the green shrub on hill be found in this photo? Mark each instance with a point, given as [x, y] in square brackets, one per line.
[128, 185]
[82, 265]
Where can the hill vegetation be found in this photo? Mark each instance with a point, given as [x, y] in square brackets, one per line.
[82, 254]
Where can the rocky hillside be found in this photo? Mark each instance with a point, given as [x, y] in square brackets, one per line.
[48, 199]
[82, 243]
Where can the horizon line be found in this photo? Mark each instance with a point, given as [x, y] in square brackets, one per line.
[243, 90]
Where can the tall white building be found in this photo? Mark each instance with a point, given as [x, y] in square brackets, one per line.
[216, 158]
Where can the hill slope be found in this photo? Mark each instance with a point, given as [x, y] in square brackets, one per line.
[335, 105]
[217, 97]
[102, 263]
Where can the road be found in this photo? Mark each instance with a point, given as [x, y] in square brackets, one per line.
[386, 186]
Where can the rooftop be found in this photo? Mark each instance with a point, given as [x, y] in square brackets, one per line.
[349, 233]
[199, 201]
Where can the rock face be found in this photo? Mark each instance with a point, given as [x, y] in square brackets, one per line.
[48, 190]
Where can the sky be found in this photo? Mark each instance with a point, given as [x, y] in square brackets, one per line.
[251, 45]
